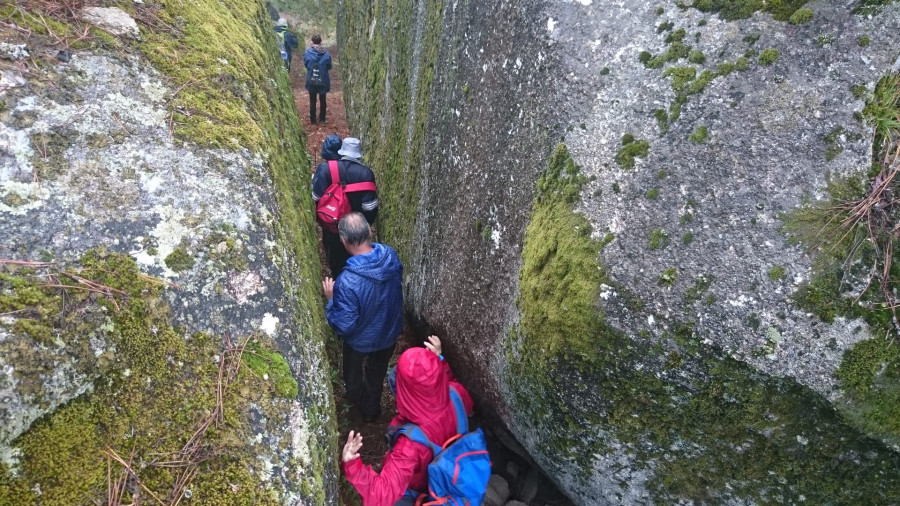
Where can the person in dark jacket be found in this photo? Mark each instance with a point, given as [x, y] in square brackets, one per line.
[365, 308]
[286, 40]
[351, 171]
[423, 398]
[273, 12]
[317, 57]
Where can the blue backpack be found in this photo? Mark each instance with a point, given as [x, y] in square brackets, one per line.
[282, 47]
[461, 468]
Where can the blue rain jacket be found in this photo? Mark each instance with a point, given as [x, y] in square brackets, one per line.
[318, 56]
[367, 307]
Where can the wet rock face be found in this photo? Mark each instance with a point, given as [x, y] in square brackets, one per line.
[775, 135]
[689, 136]
[91, 164]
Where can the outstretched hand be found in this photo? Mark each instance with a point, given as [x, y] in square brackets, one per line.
[351, 449]
[328, 288]
[434, 344]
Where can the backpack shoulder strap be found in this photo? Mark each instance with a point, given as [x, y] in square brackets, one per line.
[335, 173]
[414, 433]
[462, 420]
[358, 187]
[361, 187]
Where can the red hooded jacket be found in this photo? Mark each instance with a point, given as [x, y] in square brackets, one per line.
[423, 398]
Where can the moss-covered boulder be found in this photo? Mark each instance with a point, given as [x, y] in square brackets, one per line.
[538, 162]
[161, 323]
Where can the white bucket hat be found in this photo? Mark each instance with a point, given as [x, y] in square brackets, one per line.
[351, 148]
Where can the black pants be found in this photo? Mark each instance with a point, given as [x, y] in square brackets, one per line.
[364, 378]
[312, 107]
[335, 252]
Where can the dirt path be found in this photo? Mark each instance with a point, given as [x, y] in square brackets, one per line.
[374, 446]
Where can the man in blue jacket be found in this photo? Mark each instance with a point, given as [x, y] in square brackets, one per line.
[365, 308]
[317, 60]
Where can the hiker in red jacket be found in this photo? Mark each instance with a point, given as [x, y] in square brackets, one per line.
[423, 398]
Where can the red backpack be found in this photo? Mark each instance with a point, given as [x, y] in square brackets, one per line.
[334, 203]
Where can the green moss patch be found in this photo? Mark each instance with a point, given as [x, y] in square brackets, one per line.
[147, 403]
[563, 306]
[668, 277]
[392, 105]
[801, 16]
[273, 368]
[179, 260]
[867, 7]
[707, 429]
[870, 372]
[659, 239]
[776, 273]
[631, 149]
[781, 10]
[851, 233]
[768, 57]
[699, 135]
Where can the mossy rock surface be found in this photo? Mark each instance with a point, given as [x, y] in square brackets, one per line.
[178, 161]
[697, 389]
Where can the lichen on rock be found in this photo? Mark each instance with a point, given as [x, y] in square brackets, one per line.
[196, 205]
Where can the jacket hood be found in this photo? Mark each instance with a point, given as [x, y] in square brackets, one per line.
[330, 147]
[378, 265]
[423, 394]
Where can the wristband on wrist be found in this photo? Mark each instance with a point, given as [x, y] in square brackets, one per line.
[441, 357]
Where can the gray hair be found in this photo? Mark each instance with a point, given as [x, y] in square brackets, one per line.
[354, 229]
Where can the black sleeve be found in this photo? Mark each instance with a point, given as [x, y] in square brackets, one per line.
[371, 216]
[321, 181]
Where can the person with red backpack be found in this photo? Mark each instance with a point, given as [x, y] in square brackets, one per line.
[432, 403]
[358, 190]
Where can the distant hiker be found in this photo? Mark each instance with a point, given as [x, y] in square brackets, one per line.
[273, 12]
[424, 382]
[365, 308]
[318, 62]
[287, 41]
[350, 171]
[330, 147]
